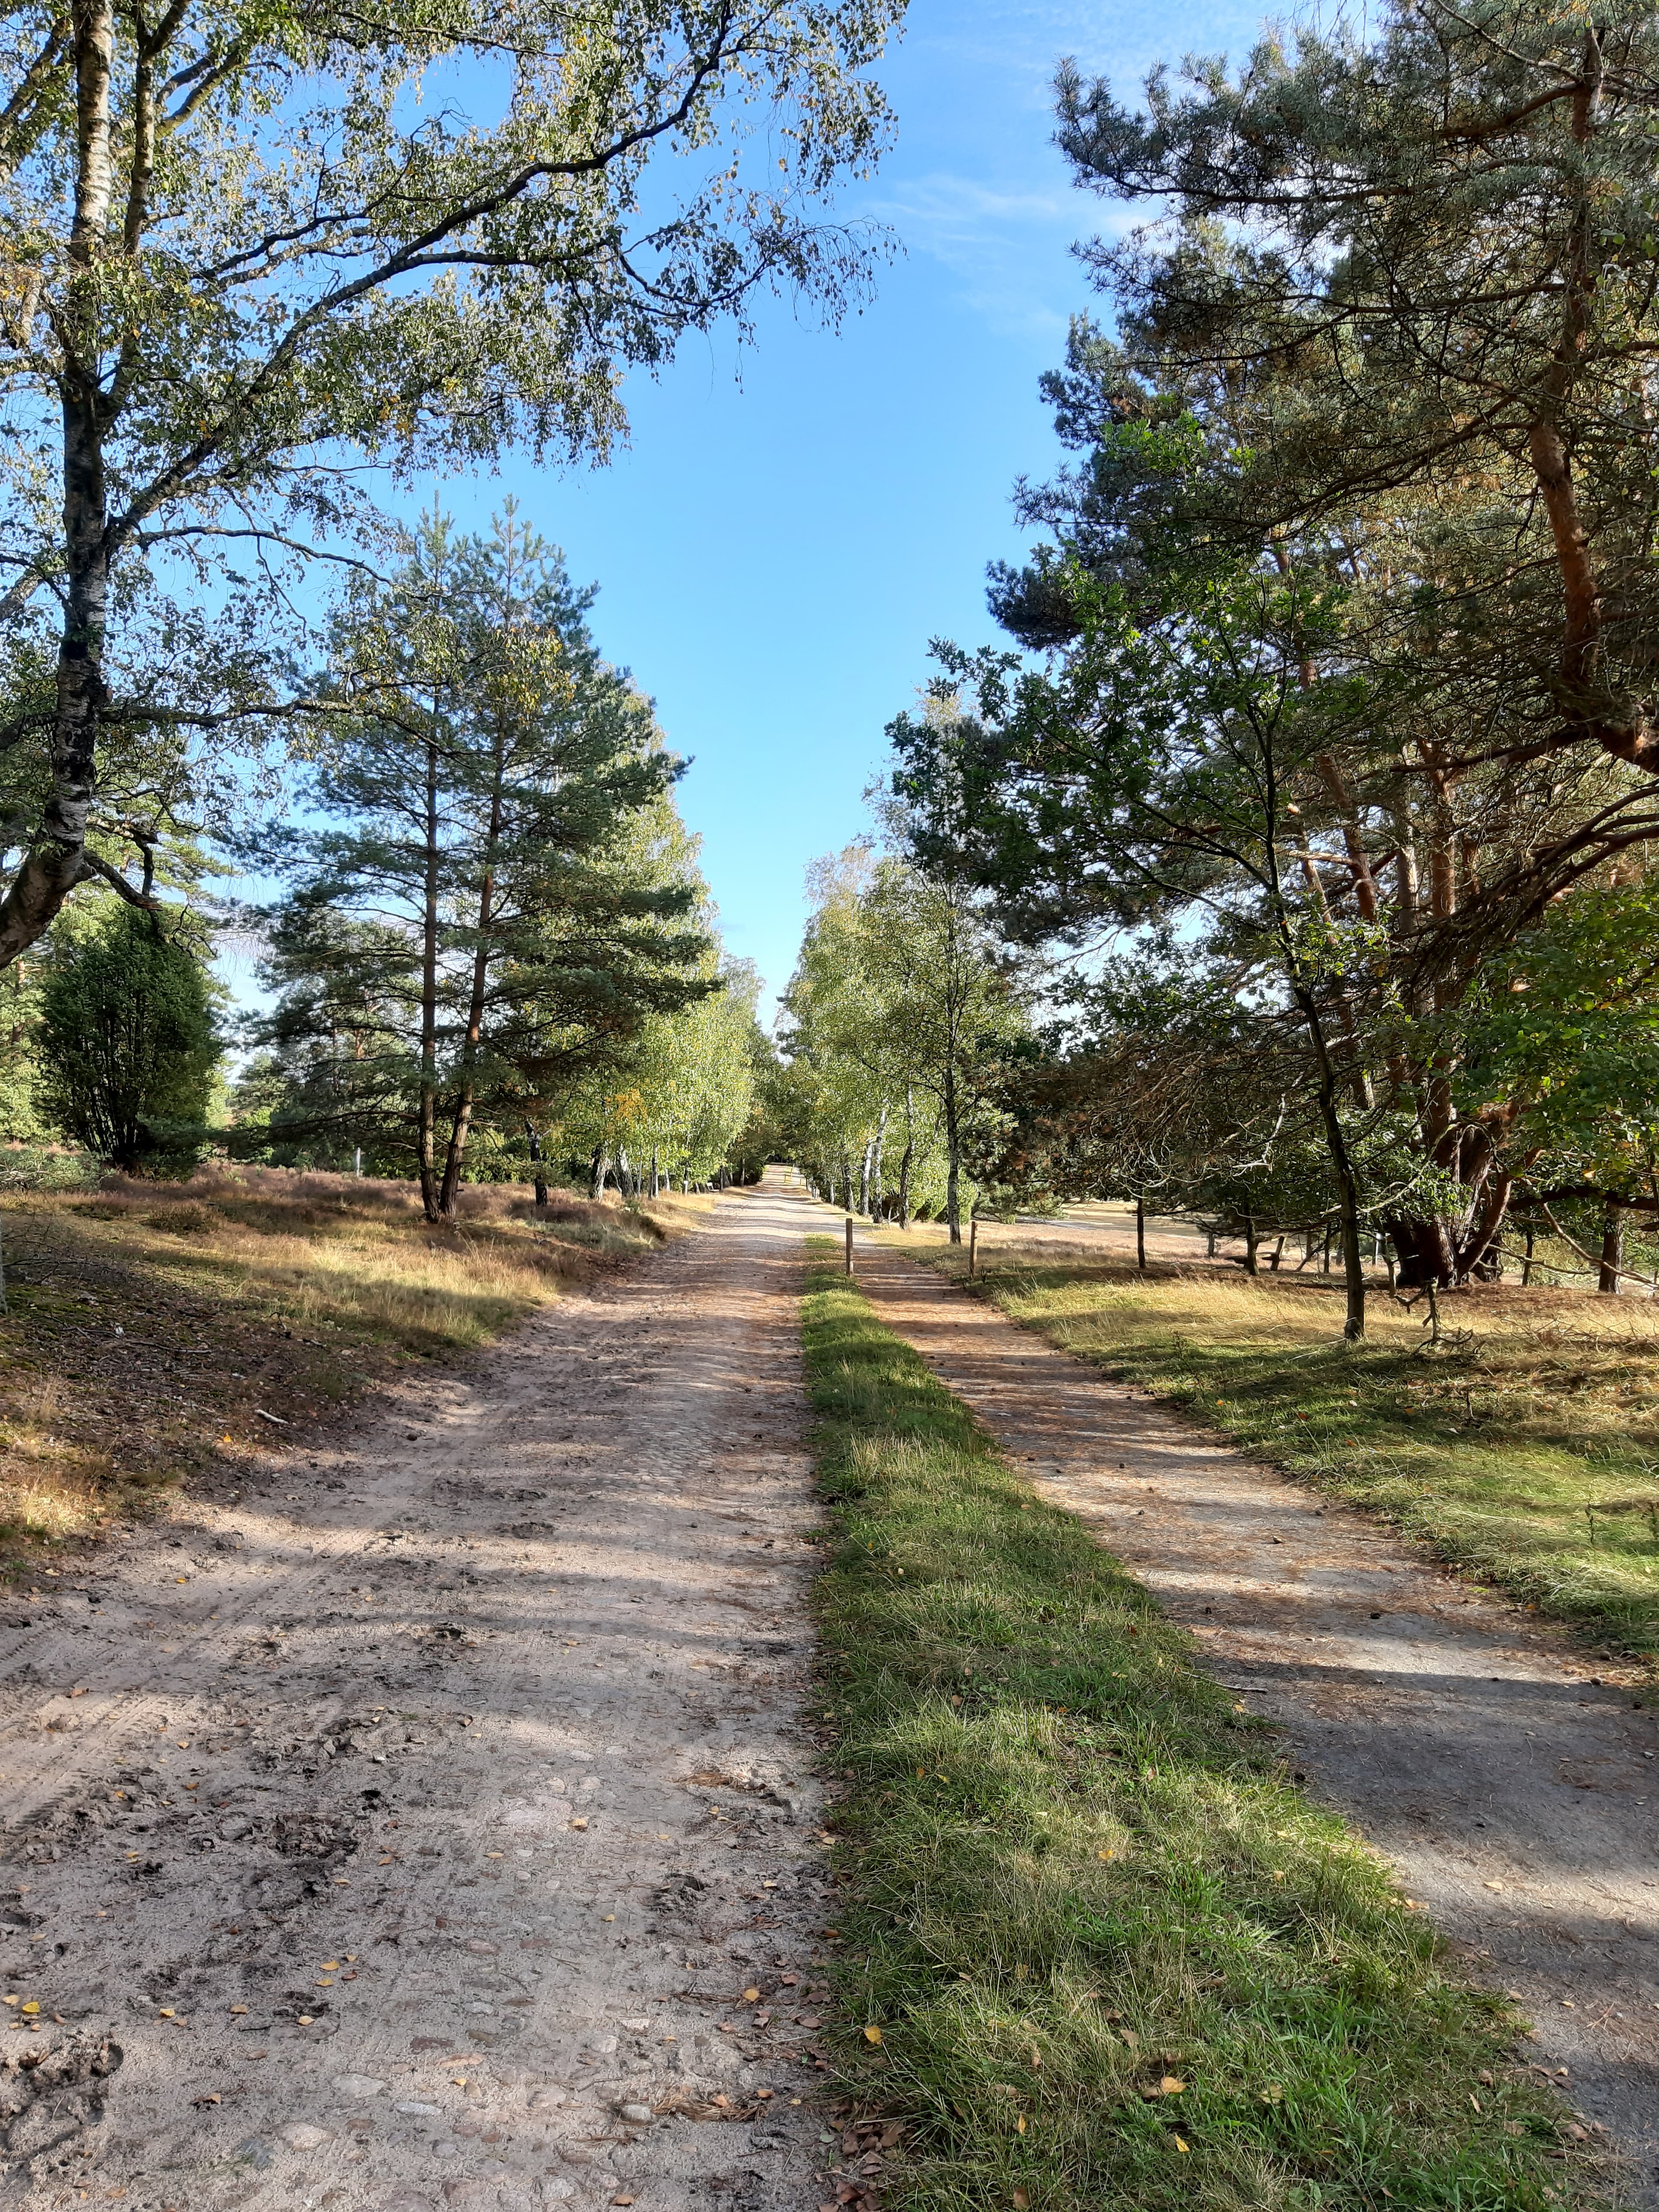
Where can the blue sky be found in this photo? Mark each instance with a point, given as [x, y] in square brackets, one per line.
[792, 524]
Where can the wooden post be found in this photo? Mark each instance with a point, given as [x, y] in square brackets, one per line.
[973, 1245]
[849, 1244]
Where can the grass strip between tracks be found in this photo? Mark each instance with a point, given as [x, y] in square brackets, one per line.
[1097, 1946]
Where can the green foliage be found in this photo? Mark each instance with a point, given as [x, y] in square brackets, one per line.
[1076, 1876]
[262, 258]
[127, 1046]
[1568, 1028]
[476, 923]
[901, 1017]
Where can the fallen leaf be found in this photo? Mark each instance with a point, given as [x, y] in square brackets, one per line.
[1022, 2198]
[238, 2008]
[329, 1967]
[1019, 2125]
[750, 1995]
[1272, 2095]
[212, 2099]
[305, 2020]
[1179, 2144]
[165, 2011]
[1492, 1885]
[78, 1693]
[580, 1823]
[607, 1916]
[873, 2033]
[1103, 1854]
[1170, 2085]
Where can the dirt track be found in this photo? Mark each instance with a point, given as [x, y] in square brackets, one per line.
[406, 1835]
[359, 1833]
[1518, 1797]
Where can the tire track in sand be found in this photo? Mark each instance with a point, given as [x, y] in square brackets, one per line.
[403, 1836]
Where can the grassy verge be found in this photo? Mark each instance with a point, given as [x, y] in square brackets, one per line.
[1097, 1950]
[1525, 1448]
[152, 1330]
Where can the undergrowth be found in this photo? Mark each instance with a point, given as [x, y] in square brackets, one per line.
[1097, 1949]
[1524, 1447]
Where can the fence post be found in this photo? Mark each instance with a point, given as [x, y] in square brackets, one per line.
[849, 1244]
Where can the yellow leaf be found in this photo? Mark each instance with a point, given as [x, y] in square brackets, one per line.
[1179, 2144]
[1020, 2124]
[873, 2033]
[578, 1824]
[1170, 2085]
[750, 1995]
[238, 2008]
[33, 2005]
[1103, 1854]
[329, 1967]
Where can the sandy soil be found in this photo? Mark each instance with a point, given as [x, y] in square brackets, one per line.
[1515, 1793]
[434, 1825]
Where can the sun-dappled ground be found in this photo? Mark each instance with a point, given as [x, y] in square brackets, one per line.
[1524, 1447]
[1098, 1947]
[153, 1329]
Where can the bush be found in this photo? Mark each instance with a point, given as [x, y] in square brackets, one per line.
[127, 1047]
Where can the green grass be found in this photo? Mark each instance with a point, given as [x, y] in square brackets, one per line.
[1525, 1449]
[1075, 1874]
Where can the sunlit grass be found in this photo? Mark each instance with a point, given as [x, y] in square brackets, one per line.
[1113, 1957]
[1524, 1447]
[154, 1327]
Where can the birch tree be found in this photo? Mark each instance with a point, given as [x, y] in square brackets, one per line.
[246, 250]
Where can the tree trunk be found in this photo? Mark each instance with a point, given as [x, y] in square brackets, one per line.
[875, 1164]
[536, 1162]
[427, 1140]
[601, 1169]
[1612, 1251]
[1342, 1167]
[56, 861]
[864, 1179]
[1250, 1242]
[1528, 1233]
[1141, 1233]
[953, 1155]
[906, 1159]
[461, 1126]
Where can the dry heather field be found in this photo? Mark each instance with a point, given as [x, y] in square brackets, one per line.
[153, 1330]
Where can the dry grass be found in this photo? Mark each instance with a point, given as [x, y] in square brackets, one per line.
[153, 1330]
[1524, 1449]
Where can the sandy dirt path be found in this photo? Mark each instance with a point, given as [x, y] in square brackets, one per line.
[408, 1834]
[1517, 1795]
